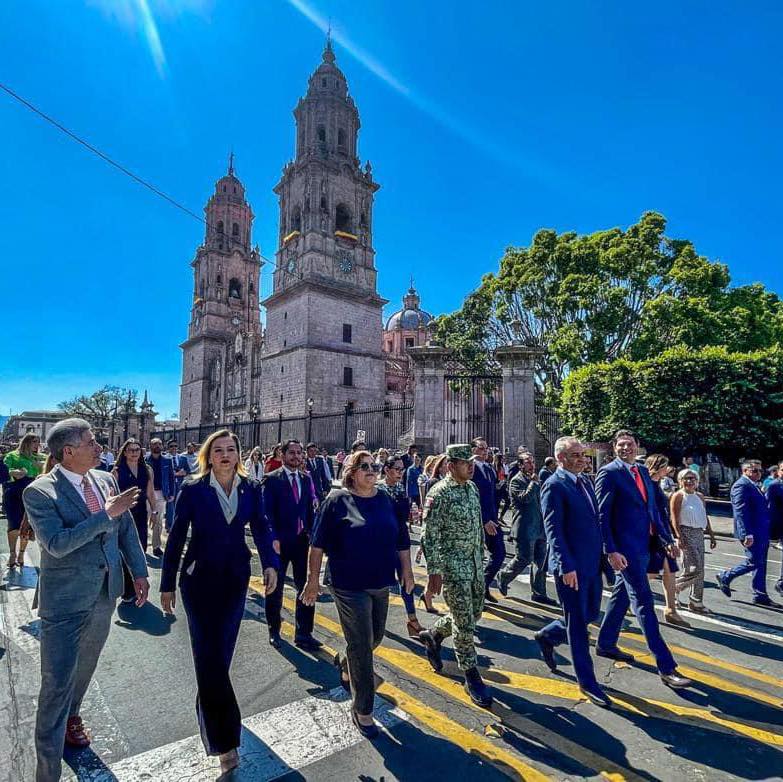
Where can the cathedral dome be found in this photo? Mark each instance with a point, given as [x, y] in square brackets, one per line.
[411, 316]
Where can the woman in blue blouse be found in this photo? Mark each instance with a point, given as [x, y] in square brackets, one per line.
[215, 505]
[359, 530]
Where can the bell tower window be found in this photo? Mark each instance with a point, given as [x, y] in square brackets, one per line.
[296, 219]
[321, 133]
[234, 288]
[235, 230]
[342, 219]
[220, 227]
[341, 139]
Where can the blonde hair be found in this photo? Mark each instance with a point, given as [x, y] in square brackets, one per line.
[687, 474]
[204, 454]
[438, 462]
[25, 447]
[427, 464]
[351, 466]
[655, 462]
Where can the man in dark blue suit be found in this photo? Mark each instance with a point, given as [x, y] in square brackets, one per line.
[751, 528]
[775, 501]
[486, 480]
[289, 505]
[180, 468]
[629, 521]
[319, 471]
[570, 511]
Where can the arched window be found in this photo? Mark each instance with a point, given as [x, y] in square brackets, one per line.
[250, 288]
[323, 82]
[234, 288]
[363, 219]
[296, 219]
[323, 202]
[321, 131]
[341, 139]
[235, 230]
[342, 219]
[219, 280]
[201, 289]
[220, 227]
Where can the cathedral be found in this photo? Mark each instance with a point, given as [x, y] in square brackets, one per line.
[325, 344]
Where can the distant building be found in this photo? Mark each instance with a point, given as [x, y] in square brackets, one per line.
[38, 422]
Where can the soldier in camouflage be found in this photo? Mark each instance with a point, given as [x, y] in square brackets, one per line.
[454, 543]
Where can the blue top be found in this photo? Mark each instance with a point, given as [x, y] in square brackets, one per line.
[775, 501]
[486, 482]
[751, 512]
[571, 525]
[361, 536]
[163, 475]
[412, 474]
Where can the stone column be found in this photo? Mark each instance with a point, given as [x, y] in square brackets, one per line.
[519, 407]
[429, 373]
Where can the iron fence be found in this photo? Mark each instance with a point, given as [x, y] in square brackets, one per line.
[383, 426]
[473, 407]
[549, 424]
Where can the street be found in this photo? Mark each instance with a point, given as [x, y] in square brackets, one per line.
[140, 706]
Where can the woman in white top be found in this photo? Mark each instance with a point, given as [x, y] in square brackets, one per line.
[690, 520]
[255, 465]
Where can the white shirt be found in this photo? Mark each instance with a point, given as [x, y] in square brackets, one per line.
[76, 481]
[228, 502]
[255, 470]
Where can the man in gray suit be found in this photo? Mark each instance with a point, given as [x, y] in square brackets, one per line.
[84, 530]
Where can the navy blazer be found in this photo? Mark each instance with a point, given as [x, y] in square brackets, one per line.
[167, 480]
[318, 473]
[281, 510]
[486, 481]
[624, 516]
[775, 502]
[216, 548]
[571, 525]
[751, 511]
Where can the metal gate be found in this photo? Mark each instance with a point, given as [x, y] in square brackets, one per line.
[473, 407]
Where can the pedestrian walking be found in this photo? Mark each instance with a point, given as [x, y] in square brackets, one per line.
[485, 479]
[454, 546]
[164, 488]
[358, 529]
[690, 521]
[275, 460]
[570, 511]
[775, 502]
[254, 464]
[84, 531]
[214, 508]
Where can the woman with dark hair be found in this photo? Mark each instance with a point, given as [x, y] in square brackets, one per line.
[660, 562]
[130, 469]
[24, 465]
[358, 529]
[275, 460]
[394, 486]
[215, 505]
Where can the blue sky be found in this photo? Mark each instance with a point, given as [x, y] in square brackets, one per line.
[483, 122]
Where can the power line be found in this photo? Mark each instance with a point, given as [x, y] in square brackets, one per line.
[135, 177]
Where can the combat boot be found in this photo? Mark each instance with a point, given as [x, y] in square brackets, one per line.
[475, 687]
[432, 642]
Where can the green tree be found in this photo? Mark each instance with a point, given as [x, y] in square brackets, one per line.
[100, 406]
[730, 403]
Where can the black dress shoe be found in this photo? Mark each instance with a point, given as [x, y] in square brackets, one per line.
[432, 643]
[722, 585]
[779, 587]
[502, 587]
[478, 691]
[368, 731]
[595, 695]
[489, 597]
[543, 599]
[547, 651]
[615, 654]
[158, 552]
[765, 600]
[274, 640]
[308, 643]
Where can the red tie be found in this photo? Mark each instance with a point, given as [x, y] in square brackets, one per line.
[295, 490]
[637, 476]
[93, 503]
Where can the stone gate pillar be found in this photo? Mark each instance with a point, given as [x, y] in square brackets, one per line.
[429, 377]
[519, 406]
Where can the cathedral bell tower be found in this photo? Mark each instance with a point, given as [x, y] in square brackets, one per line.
[224, 334]
[323, 328]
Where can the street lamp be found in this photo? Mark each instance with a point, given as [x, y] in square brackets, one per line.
[310, 403]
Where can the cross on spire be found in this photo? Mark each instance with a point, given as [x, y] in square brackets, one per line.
[231, 163]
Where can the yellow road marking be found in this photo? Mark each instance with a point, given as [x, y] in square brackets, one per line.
[415, 665]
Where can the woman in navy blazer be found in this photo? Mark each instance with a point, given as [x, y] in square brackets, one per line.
[215, 505]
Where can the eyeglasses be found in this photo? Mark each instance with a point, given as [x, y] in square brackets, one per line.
[395, 467]
[367, 467]
[133, 450]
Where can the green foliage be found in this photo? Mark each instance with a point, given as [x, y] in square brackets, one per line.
[102, 404]
[606, 295]
[730, 403]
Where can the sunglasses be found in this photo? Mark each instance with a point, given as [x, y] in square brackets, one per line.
[367, 467]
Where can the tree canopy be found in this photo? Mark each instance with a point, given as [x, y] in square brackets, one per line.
[102, 404]
[601, 296]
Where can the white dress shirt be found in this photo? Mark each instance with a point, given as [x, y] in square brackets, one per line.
[298, 480]
[76, 481]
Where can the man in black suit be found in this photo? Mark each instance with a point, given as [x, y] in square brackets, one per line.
[289, 505]
[408, 456]
[775, 500]
[319, 471]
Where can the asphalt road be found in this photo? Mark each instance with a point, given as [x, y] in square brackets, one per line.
[140, 707]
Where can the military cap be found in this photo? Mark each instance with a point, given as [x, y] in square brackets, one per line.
[459, 451]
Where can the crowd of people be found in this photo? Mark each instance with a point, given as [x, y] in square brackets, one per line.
[344, 522]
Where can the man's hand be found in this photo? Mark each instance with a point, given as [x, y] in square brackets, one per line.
[617, 560]
[434, 584]
[276, 547]
[26, 532]
[713, 542]
[310, 593]
[570, 580]
[117, 504]
[408, 582]
[747, 541]
[673, 550]
[168, 601]
[270, 580]
[491, 528]
[142, 587]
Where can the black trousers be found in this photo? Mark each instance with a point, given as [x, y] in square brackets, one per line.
[214, 607]
[294, 554]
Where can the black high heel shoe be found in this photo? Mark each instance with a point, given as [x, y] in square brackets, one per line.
[428, 607]
[344, 683]
[368, 731]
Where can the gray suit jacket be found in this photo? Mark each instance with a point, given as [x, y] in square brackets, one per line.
[79, 549]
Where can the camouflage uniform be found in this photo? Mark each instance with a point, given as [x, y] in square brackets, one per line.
[454, 542]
